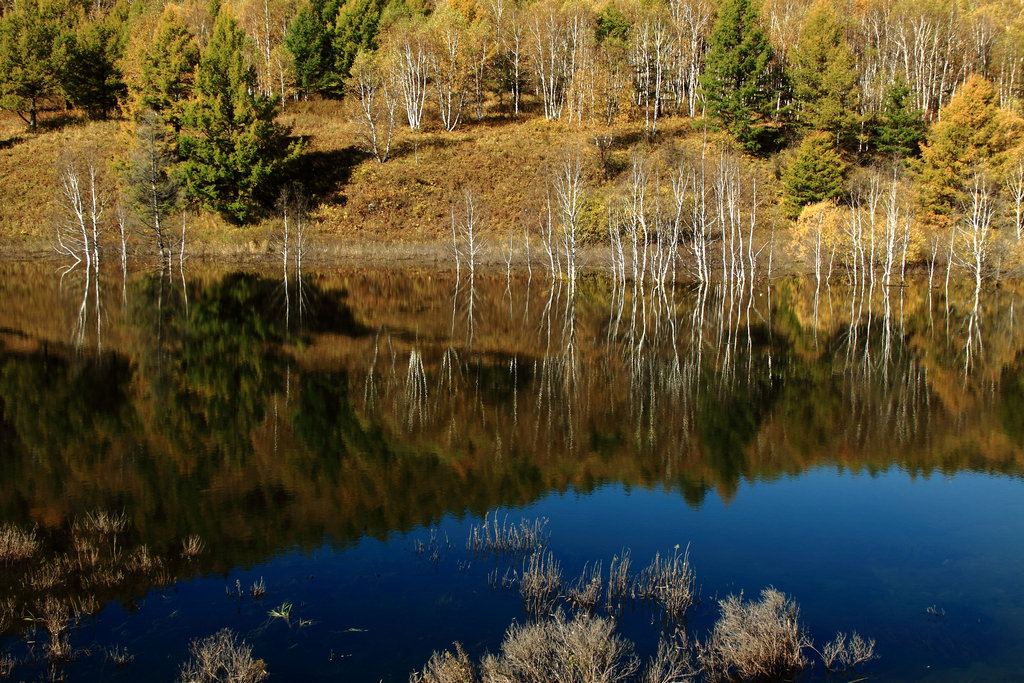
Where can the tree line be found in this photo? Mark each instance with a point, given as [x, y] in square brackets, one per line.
[850, 82]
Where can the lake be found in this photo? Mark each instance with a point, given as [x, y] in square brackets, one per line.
[333, 439]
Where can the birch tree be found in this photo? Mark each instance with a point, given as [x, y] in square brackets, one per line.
[375, 93]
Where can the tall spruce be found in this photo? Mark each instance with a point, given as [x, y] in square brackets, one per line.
[232, 148]
[29, 61]
[356, 30]
[167, 73]
[898, 128]
[825, 75]
[740, 79]
[310, 40]
[91, 76]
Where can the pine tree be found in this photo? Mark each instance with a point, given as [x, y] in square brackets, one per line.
[738, 82]
[167, 72]
[898, 129]
[971, 136]
[825, 75]
[816, 174]
[91, 76]
[231, 145]
[310, 40]
[29, 62]
[357, 27]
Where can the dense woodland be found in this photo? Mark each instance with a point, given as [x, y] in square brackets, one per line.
[874, 134]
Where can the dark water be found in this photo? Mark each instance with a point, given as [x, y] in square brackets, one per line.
[859, 450]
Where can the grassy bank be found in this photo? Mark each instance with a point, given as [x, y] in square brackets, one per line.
[360, 209]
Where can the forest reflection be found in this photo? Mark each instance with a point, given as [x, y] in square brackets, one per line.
[381, 400]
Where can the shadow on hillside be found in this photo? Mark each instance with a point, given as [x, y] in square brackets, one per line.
[324, 172]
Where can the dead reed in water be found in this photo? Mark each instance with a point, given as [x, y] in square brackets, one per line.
[16, 544]
[492, 537]
[221, 657]
[540, 583]
[761, 639]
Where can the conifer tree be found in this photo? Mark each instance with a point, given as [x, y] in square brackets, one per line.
[231, 146]
[825, 75]
[971, 136]
[91, 76]
[310, 40]
[29, 62]
[356, 29]
[898, 129]
[167, 72]
[738, 80]
[816, 174]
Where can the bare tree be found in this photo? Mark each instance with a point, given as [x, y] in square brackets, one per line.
[975, 228]
[1015, 185]
[449, 66]
[376, 98]
[153, 191]
[412, 59]
[569, 189]
[83, 202]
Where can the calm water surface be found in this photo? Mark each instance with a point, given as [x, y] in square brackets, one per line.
[337, 437]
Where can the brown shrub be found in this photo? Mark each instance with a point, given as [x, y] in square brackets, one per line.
[584, 650]
[445, 667]
[222, 658]
[17, 545]
[755, 640]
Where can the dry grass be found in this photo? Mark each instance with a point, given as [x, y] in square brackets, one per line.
[583, 650]
[7, 664]
[492, 537]
[540, 583]
[585, 592]
[119, 656]
[141, 561]
[192, 547]
[55, 616]
[447, 667]
[29, 165]
[103, 523]
[668, 582]
[221, 657]
[673, 662]
[755, 640]
[46, 576]
[7, 614]
[16, 544]
[841, 653]
[620, 581]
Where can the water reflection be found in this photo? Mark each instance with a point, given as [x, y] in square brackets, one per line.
[214, 409]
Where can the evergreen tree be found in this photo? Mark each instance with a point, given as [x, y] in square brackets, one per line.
[898, 129]
[167, 71]
[310, 40]
[231, 145]
[972, 134]
[739, 80]
[825, 75]
[356, 30]
[612, 24]
[91, 77]
[816, 174]
[29, 62]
